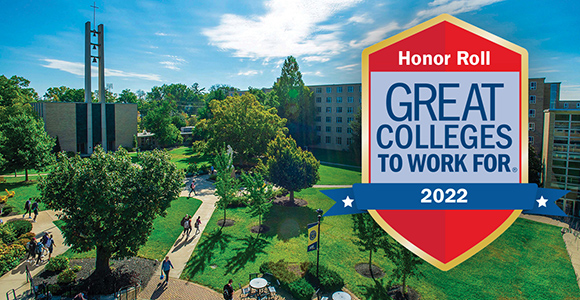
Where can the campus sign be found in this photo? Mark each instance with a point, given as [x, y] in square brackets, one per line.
[445, 141]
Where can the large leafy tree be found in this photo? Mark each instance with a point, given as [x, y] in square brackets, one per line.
[406, 262]
[226, 185]
[127, 96]
[259, 193]
[108, 202]
[244, 124]
[370, 235]
[289, 166]
[295, 102]
[159, 121]
[65, 94]
[26, 145]
[15, 90]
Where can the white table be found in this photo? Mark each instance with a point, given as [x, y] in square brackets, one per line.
[340, 296]
[258, 284]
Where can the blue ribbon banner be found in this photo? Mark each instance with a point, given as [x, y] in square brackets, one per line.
[445, 196]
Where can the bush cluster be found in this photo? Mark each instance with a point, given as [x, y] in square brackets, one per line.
[7, 235]
[330, 280]
[296, 285]
[20, 226]
[58, 263]
[7, 209]
[10, 256]
[66, 276]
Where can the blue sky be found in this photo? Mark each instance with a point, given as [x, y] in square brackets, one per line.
[243, 43]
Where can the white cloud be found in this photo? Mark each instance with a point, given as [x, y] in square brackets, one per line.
[173, 63]
[375, 36]
[364, 19]
[162, 34]
[248, 73]
[317, 73]
[347, 67]
[453, 7]
[316, 59]
[287, 28]
[79, 69]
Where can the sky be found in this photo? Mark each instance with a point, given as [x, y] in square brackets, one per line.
[243, 43]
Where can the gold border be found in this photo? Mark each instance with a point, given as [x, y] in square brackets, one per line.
[523, 131]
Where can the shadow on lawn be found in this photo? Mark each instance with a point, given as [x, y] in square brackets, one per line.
[205, 251]
[376, 291]
[17, 184]
[288, 222]
[247, 253]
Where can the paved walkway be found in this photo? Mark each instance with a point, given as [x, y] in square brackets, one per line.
[16, 279]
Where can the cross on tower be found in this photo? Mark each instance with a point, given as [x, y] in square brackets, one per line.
[94, 6]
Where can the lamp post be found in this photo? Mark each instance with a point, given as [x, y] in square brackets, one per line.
[319, 211]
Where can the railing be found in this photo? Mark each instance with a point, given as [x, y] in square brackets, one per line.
[13, 294]
[128, 292]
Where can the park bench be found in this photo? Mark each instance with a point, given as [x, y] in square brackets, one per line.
[10, 194]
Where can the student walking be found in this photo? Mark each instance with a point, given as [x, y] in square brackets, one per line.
[197, 223]
[186, 224]
[39, 247]
[166, 265]
[192, 188]
[229, 291]
[27, 208]
[34, 208]
[49, 245]
[31, 246]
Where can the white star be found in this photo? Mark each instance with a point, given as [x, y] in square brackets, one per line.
[542, 202]
[348, 201]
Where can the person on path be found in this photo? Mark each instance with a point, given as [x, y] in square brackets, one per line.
[39, 247]
[197, 223]
[185, 223]
[27, 208]
[228, 291]
[31, 246]
[50, 245]
[34, 208]
[192, 188]
[166, 265]
[188, 225]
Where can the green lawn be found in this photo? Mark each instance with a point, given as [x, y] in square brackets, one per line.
[338, 175]
[165, 231]
[182, 157]
[24, 191]
[529, 261]
[333, 156]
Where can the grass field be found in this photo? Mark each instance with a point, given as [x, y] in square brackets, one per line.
[529, 261]
[338, 175]
[24, 191]
[182, 157]
[165, 231]
[333, 156]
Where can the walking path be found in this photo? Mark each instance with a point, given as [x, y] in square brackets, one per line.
[16, 279]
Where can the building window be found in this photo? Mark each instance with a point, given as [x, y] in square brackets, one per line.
[318, 99]
[319, 90]
[349, 119]
[350, 89]
[328, 129]
[338, 99]
[338, 119]
[318, 139]
[532, 99]
[328, 109]
[339, 109]
[328, 99]
[317, 119]
[338, 129]
[531, 140]
[349, 130]
[327, 139]
[532, 126]
[328, 119]
[318, 128]
[577, 105]
[349, 110]
[328, 90]
[339, 89]
[338, 140]
[350, 99]
[565, 105]
[533, 85]
[532, 113]
[318, 109]
[348, 141]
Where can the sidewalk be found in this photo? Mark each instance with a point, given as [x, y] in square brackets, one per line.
[16, 278]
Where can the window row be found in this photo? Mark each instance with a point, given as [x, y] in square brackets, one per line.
[338, 100]
[349, 110]
[328, 140]
[329, 119]
[329, 129]
[339, 89]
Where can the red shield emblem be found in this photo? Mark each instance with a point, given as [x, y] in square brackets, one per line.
[427, 101]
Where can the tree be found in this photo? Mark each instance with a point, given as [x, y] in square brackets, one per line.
[127, 96]
[244, 124]
[159, 121]
[406, 262]
[370, 235]
[56, 148]
[534, 167]
[226, 185]
[289, 166]
[295, 102]
[66, 94]
[15, 90]
[259, 194]
[355, 146]
[26, 144]
[108, 202]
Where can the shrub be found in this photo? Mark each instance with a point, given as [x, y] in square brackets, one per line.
[10, 257]
[330, 280]
[7, 234]
[76, 268]
[58, 263]
[53, 289]
[21, 226]
[192, 169]
[66, 276]
[301, 289]
[7, 209]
